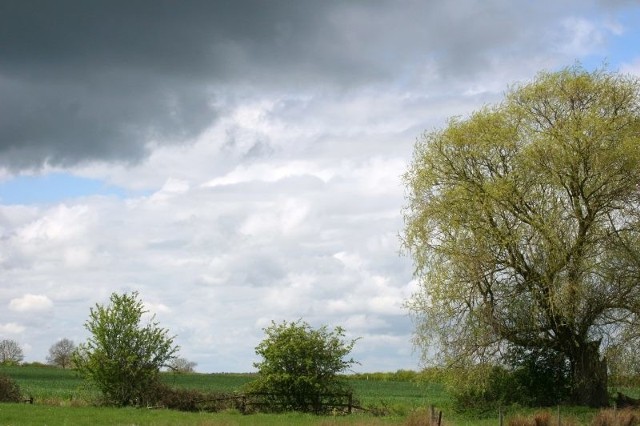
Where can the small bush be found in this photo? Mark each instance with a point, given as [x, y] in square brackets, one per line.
[482, 387]
[123, 355]
[182, 399]
[300, 367]
[9, 390]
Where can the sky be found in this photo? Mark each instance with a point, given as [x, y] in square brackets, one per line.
[240, 162]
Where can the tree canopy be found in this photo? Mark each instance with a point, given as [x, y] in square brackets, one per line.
[300, 365]
[10, 352]
[61, 353]
[523, 221]
[182, 365]
[123, 356]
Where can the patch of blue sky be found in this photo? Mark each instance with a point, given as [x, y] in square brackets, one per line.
[620, 49]
[624, 48]
[53, 188]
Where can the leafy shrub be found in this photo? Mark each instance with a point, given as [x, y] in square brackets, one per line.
[179, 399]
[542, 376]
[539, 378]
[300, 366]
[9, 390]
[482, 387]
[123, 356]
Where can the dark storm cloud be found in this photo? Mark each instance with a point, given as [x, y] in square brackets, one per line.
[97, 80]
[85, 80]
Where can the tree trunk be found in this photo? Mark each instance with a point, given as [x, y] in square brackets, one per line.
[589, 376]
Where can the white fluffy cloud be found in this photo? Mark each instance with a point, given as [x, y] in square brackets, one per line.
[31, 303]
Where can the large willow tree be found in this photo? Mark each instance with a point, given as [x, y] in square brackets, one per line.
[523, 221]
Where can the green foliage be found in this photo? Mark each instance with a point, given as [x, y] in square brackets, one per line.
[301, 364]
[523, 221]
[123, 357]
[9, 389]
[535, 378]
[480, 387]
[175, 398]
[542, 377]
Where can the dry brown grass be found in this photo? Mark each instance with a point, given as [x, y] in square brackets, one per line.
[624, 417]
[421, 417]
[368, 422]
[541, 418]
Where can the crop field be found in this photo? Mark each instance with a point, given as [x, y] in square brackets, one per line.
[62, 398]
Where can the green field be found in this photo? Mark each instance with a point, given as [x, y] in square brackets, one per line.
[61, 387]
[62, 398]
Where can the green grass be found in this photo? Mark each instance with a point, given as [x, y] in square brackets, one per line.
[47, 383]
[62, 398]
[398, 396]
[21, 414]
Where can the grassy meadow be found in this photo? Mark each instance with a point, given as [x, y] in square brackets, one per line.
[62, 398]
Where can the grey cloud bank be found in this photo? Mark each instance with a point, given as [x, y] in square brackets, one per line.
[269, 139]
[106, 81]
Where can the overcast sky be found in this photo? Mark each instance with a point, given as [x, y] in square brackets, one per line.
[238, 162]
